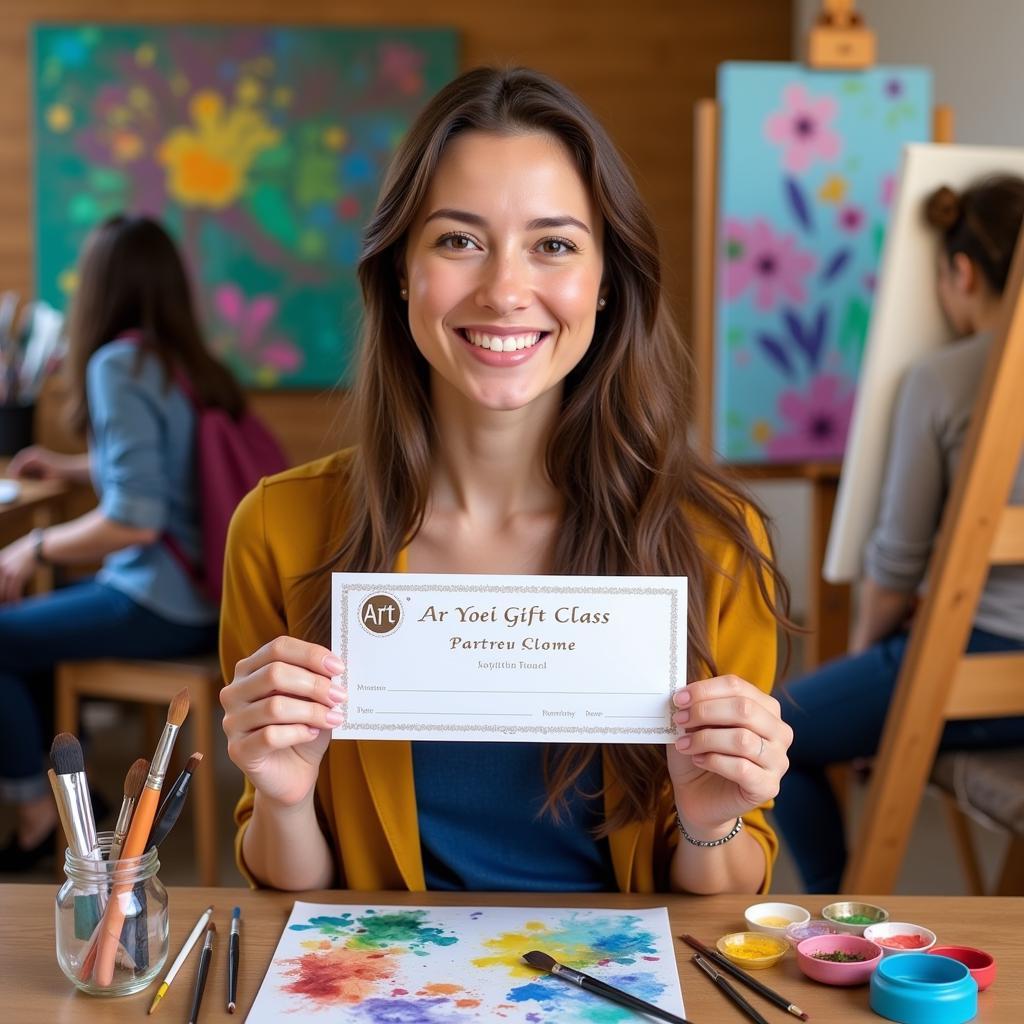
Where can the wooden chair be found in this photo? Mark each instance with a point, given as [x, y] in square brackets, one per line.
[153, 683]
[986, 785]
[938, 682]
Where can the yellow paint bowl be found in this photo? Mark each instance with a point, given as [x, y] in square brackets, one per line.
[752, 950]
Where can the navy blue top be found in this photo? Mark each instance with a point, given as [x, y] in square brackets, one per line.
[478, 807]
[142, 462]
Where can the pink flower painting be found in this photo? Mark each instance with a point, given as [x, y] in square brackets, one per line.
[756, 257]
[803, 128]
[815, 421]
[250, 321]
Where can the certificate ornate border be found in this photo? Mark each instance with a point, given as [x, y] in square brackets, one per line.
[655, 732]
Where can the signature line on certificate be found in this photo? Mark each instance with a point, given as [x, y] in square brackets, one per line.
[571, 693]
[449, 714]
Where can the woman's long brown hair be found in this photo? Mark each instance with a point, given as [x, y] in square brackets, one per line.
[619, 453]
[131, 278]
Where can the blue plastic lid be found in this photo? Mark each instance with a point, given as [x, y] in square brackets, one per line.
[917, 988]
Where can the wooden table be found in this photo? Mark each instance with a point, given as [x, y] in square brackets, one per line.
[32, 987]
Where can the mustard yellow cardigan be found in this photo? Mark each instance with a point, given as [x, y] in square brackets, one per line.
[365, 792]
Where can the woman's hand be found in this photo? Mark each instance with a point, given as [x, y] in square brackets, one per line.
[38, 463]
[279, 712]
[17, 563]
[730, 758]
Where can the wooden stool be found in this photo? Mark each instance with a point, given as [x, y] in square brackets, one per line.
[155, 683]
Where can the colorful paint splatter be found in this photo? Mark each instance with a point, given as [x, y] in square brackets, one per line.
[799, 246]
[261, 148]
[449, 965]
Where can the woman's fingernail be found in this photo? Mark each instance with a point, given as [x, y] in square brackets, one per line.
[334, 665]
[334, 718]
[681, 698]
[698, 759]
[683, 742]
[336, 694]
[681, 717]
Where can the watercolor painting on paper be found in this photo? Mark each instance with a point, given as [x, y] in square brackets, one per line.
[455, 965]
[261, 148]
[799, 245]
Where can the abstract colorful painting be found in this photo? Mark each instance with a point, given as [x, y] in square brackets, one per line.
[807, 166]
[260, 148]
[454, 965]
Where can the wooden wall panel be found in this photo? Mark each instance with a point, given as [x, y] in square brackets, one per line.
[639, 64]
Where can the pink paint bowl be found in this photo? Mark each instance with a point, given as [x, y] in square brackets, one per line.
[900, 937]
[982, 965]
[828, 972]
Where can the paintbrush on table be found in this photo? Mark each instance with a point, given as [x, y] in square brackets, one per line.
[544, 962]
[729, 967]
[727, 990]
[135, 845]
[170, 809]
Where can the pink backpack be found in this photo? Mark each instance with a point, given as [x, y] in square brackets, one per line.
[232, 456]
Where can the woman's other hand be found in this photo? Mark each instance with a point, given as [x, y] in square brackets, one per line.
[279, 712]
[730, 756]
[38, 463]
[17, 563]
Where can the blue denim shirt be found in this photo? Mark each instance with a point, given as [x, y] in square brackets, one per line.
[142, 461]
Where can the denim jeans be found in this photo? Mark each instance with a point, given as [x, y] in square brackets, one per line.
[837, 714]
[87, 620]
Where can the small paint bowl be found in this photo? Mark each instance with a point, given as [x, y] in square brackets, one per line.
[919, 988]
[830, 972]
[900, 937]
[752, 950]
[982, 965]
[775, 918]
[868, 912]
[796, 933]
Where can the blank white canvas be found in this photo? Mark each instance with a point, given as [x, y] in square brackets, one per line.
[906, 324]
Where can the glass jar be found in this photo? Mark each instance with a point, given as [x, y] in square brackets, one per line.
[81, 902]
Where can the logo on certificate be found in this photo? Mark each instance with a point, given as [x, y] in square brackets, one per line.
[380, 614]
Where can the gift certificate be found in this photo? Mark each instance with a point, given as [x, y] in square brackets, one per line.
[570, 659]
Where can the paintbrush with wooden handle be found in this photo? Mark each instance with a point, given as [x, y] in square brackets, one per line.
[133, 783]
[135, 844]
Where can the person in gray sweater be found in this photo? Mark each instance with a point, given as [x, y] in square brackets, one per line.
[837, 712]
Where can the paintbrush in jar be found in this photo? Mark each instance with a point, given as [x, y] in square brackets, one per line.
[170, 809]
[135, 844]
[133, 783]
[69, 764]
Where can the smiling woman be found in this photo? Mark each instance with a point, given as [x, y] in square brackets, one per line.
[521, 409]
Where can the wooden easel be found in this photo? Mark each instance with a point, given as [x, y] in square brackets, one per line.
[839, 39]
[938, 682]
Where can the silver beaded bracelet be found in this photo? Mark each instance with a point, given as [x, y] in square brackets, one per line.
[708, 843]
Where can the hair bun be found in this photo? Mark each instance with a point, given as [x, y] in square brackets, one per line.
[943, 208]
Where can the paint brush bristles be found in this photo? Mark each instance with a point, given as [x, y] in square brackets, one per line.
[178, 709]
[133, 783]
[66, 754]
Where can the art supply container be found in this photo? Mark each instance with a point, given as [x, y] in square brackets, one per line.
[752, 951]
[79, 906]
[900, 937]
[774, 918]
[852, 917]
[15, 427]
[919, 988]
[832, 972]
[982, 965]
[796, 933]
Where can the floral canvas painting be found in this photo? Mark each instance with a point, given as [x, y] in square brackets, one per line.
[260, 148]
[457, 965]
[807, 167]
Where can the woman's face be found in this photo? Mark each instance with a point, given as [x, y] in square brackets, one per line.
[503, 268]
